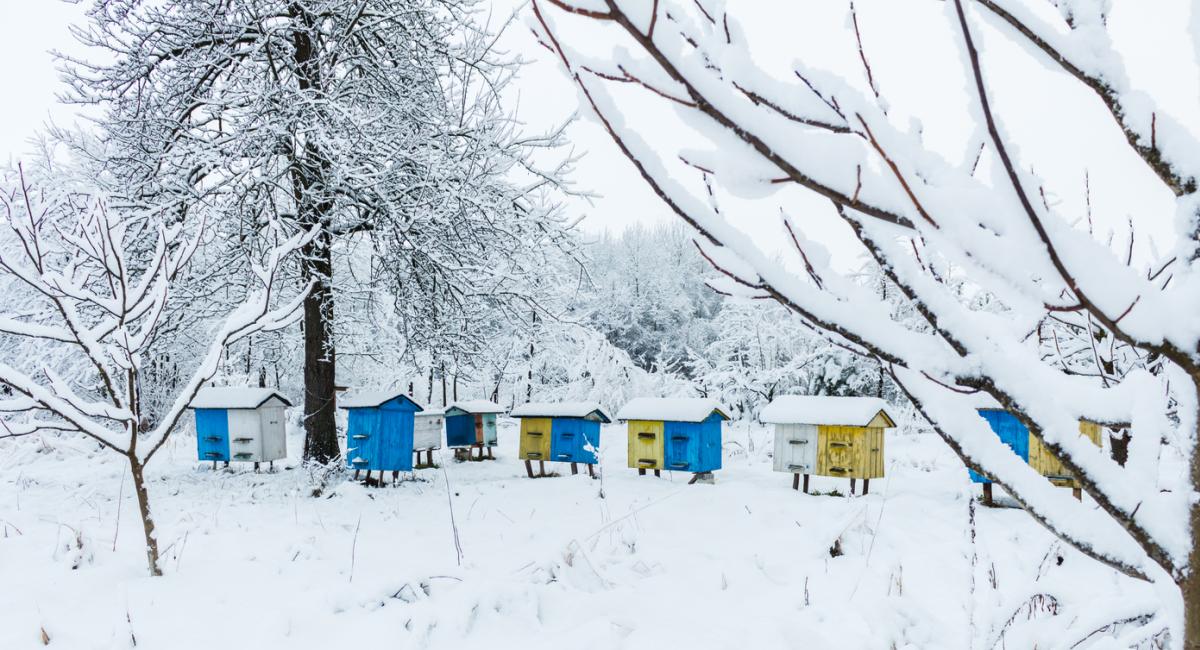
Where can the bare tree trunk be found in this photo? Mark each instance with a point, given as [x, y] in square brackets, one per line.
[143, 498]
[320, 426]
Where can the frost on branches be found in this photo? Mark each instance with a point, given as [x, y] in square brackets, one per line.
[973, 242]
[88, 302]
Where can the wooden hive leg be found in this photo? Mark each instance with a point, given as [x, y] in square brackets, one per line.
[395, 476]
[987, 494]
[214, 465]
[866, 485]
[1077, 492]
[695, 477]
[591, 473]
[256, 467]
[658, 472]
[356, 474]
[806, 483]
[641, 470]
[542, 467]
[574, 469]
[227, 464]
[852, 483]
[529, 468]
[271, 467]
[429, 457]
[490, 456]
[796, 481]
[368, 480]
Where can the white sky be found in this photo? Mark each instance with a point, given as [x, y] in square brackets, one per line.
[899, 39]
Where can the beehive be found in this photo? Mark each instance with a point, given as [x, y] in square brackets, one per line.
[565, 432]
[472, 425]
[840, 437]
[1016, 435]
[240, 423]
[379, 430]
[678, 434]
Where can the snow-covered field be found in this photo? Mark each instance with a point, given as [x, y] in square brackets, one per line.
[255, 561]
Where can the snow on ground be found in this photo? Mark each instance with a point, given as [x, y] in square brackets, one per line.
[254, 561]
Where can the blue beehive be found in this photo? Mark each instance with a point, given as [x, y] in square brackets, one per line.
[379, 430]
[694, 446]
[1011, 431]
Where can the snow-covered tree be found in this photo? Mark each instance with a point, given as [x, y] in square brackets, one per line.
[379, 122]
[762, 350]
[764, 122]
[648, 296]
[89, 297]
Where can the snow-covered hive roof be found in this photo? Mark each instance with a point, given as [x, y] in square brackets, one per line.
[671, 409]
[588, 410]
[371, 398]
[433, 410]
[234, 397]
[475, 406]
[811, 409]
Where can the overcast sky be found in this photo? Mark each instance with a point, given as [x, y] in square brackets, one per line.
[1031, 94]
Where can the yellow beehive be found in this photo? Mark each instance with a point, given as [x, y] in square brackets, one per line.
[852, 452]
[646, 444]
[535, 439]
[1048, 465]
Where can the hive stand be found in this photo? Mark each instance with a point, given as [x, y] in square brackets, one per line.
[853, 483]
[542, 469]
[987, 494]
[417, 464]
